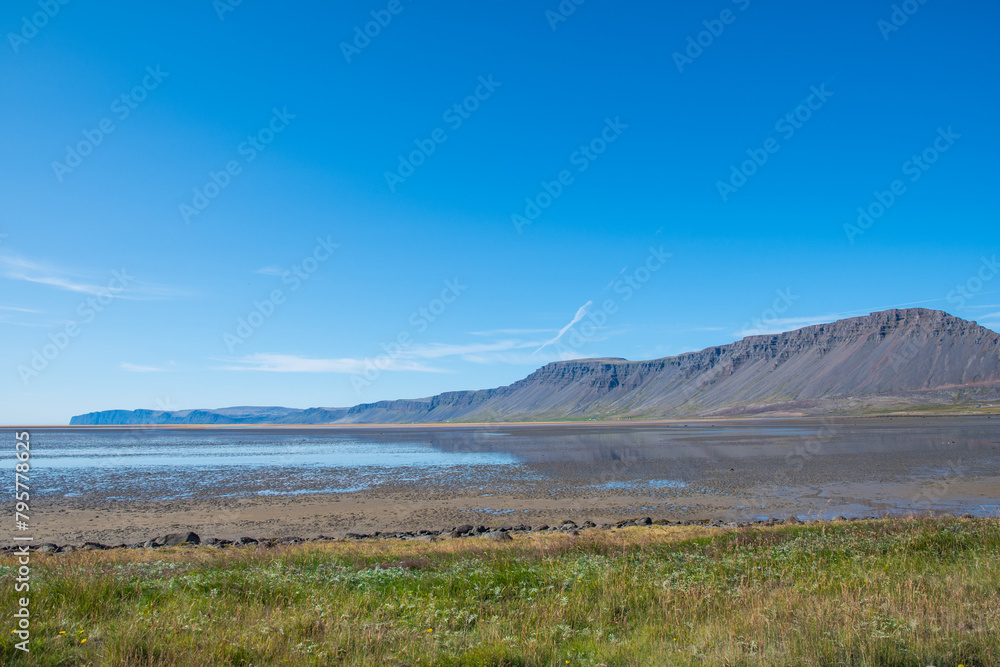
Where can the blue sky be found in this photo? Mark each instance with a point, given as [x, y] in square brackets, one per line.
[471, 190]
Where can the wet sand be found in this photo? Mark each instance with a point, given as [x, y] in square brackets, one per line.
[732, 470]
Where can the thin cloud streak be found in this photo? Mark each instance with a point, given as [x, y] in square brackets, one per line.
[580, 312]
[14, 267]
[136, 368]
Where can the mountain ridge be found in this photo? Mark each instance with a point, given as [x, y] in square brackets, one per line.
[910, 356]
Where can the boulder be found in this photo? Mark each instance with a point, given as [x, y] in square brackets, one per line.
[48, 547]
[500, 536]
[175, 539]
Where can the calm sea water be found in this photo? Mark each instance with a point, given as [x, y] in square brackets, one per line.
[160, 464]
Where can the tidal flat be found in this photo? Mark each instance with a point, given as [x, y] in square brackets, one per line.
[125, 485]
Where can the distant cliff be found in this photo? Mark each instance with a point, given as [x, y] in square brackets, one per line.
[893, 358]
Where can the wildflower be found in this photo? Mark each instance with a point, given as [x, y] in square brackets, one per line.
[430, 629]
[83, 641]
[62, 632]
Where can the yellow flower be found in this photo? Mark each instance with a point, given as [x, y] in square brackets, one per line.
[62, 632]
[430, 629]
[83, 641]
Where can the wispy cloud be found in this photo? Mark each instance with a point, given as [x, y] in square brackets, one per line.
[135, 368]
[271, 271]
[580, 313]
[20, 310]
[467, 351]
[290, 363]
[510, 332]
[15, 267]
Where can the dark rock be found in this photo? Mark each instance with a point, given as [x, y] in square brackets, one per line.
[589, 524]
[175, 539]
[48, 547]
[500, 536]
[840, 517]
[349, 536]
[289, 540]
[455, 533]
[153, 543]
[242, 541]
[464, 528]
[645, 521]
[794, 520]
[69, 548]
[480, 530]
[540, 528]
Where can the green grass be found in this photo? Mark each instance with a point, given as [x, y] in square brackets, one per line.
[890, 592]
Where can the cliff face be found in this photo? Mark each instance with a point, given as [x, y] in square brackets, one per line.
[908, 356]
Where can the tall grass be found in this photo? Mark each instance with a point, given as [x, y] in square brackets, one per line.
[891, 592]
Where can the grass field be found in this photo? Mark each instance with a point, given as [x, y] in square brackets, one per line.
[889, 592]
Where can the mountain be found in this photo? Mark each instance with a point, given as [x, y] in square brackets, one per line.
[889, 359]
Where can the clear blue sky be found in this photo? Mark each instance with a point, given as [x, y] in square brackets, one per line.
[117, 115]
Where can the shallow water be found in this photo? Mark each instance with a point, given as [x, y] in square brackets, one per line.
[663, 460]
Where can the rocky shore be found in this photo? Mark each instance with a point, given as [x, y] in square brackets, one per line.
[501, 532]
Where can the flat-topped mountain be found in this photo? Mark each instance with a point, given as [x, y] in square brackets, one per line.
[889, 359]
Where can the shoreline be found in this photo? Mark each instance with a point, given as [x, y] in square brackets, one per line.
[986, 411]
[502, 532]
